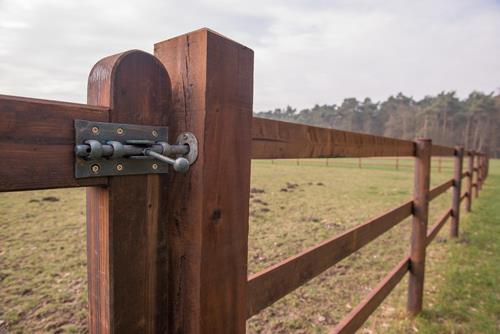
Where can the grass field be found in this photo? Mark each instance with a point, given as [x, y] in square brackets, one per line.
[293, 206]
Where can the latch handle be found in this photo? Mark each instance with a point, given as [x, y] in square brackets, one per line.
[180, 165]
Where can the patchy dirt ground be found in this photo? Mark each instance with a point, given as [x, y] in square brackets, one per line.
[293, 206]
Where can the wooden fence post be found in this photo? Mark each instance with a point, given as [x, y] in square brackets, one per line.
[419, 224]
[479, 171]
[212, 92]
[470, 181]
[457, 191]
[476, 172]
[126, 220]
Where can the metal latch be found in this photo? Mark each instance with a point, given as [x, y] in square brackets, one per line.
[110, 149]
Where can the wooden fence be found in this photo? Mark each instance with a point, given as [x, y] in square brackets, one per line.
[168, 252]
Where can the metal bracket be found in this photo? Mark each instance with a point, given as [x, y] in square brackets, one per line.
[111, 149]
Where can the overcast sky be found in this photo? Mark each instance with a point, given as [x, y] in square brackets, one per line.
[306, 52]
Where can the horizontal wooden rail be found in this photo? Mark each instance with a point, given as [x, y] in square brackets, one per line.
[273, 139]
[465, 174]
[436, 191]
[437, 226]
[442, 151]
[38, 137]
[271, 284]
[464, 196]
[360, 313]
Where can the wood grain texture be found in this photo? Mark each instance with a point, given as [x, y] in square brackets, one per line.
[212, 80]
[442, 151]
[434, 230]
[273, 139]
[419, 225]
[357, 317]
[126, 221]
[457, 191]
[438, 190]
[273, 283]
[37, 141]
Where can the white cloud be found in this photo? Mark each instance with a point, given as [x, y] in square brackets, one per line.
[306, 52]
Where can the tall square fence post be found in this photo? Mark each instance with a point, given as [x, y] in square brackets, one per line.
[212, 92]
[457, 191]
[419, 224]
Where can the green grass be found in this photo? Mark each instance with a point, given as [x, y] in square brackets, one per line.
[43, 268]
[469, 301]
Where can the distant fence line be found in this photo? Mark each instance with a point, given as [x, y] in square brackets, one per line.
[439, 163]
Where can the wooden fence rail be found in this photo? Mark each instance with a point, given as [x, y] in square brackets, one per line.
[167, 253]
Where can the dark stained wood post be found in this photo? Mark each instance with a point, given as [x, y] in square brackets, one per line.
[470, 181]
[479, 171]
[457, 191]
[419, 224]
[126, 220]
[476, 172]
[212, 92]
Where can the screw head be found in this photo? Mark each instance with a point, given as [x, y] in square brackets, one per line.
[119, 131]
[95, 130]
[119, 167]
[95, 168]
[154, 133]
[154, 166]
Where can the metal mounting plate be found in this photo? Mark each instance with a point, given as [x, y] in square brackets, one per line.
[104, 132]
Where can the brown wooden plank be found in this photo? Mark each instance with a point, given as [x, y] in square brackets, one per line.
[442, 151]
[357, 317]
[438, 225]
[465, 174]
[419, 225]
[464, 196]
[126, 221]
[37, 142]
[457, 190]
[273, 283]
[438, 190]
[273, 139]
[212, 80]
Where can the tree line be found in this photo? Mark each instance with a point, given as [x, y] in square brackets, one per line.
[473, 122]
